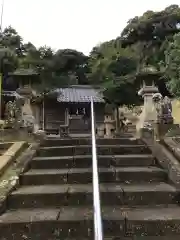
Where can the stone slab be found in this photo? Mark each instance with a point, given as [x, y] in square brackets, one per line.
[29, 216]
[135, 160]
[113, 220]
[153, 222]
[139, 174]
[141, 194]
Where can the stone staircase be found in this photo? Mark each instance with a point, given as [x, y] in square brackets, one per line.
[55, 197]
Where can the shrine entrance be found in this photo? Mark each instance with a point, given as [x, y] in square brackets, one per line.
[79, 118]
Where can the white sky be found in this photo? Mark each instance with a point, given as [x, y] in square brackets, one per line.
[76, 24]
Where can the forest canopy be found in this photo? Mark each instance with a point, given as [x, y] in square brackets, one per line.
[152, 39]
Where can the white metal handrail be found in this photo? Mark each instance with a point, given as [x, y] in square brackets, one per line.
[98, 233]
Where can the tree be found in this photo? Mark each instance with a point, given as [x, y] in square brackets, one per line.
[113, 65]
[8, 63]
[12, 40]
[8, 60]
[172, 61]
[70, 66]
[113, 68]
[150, 32]
[64, 67]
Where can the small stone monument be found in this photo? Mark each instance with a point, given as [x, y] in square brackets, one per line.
[122, 121]
[164, 120]
[167, 111]
[109, 122]
[29, 122]
[11, 114]
[9, 110]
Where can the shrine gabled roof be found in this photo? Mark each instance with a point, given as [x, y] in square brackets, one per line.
[79, 93]
[11, 94]
[24, 72]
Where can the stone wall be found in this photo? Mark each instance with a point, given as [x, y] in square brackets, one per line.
[10, 135]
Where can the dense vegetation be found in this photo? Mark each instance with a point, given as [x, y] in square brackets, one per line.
[152, 39]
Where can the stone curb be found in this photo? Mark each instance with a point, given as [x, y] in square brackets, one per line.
[21, 165]
[12, 152]
[172, 146]
[166, 159]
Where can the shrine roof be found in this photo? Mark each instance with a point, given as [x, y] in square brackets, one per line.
[79, 94]
[11, 94]
[24, 72]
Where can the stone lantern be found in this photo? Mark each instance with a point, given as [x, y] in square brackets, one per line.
[27, 78]
[147, 76]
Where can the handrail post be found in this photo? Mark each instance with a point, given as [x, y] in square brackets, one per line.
[98, 232]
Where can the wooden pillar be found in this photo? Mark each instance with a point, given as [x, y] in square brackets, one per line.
[43, 115]
[66, 116]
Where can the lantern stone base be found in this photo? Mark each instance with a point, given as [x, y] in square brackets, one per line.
[159, 131]
[39, 135]
[145, 132]
[100, 131]
[109, 129]
[166, 129]
[21, 134]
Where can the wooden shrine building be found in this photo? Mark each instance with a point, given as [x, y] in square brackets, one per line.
[71, 106]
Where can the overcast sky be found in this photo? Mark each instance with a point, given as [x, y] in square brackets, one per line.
[76, 24]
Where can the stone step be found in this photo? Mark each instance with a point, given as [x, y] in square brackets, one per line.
[86, 161]
[84, 175]
[77, 223]
[126, 238]
[87, 149]
[85, 141]
[129, 238]
[82, 194]
[129, 134]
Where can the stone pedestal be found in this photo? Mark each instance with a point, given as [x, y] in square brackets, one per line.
[100, 131]
[109, 127]
[40, 135]
[162, 130]
[64, 131]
